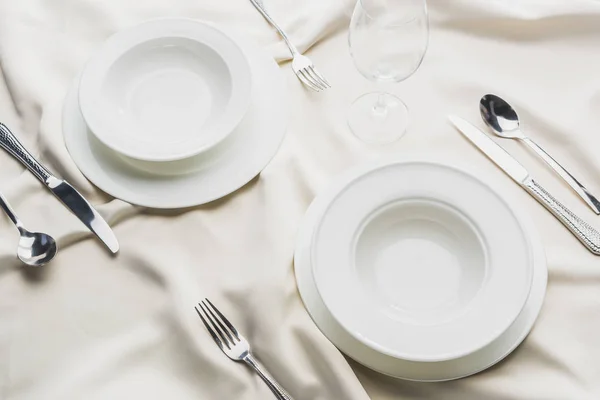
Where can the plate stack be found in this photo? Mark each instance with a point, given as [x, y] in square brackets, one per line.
[419, 270]
[164, 114]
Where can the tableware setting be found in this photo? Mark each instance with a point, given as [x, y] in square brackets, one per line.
[414, 268]
[198, 179]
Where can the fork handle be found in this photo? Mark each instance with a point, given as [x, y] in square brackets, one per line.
[275, 387]
[261, 8]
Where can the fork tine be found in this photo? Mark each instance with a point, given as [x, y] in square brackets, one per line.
[311, 71]
[209, 329]
[312, 78]
[225, 320]
[305, 81]
[214, 325]
[300, 75]
[321, 77]
[223, 329]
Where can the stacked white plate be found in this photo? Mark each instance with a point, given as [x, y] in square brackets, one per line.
[175, 113]
[419, 270]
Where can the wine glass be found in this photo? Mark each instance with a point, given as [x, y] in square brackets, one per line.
[388, 40]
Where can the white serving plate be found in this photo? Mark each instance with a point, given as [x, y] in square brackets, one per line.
[410, 258]
[166, 89]
[208, 176]
[398, 367]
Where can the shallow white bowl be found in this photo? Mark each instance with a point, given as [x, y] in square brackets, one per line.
[200, 179]
[165, 90]
[421, 262]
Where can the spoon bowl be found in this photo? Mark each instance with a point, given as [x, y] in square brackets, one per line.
[35, 248]
[500, 116]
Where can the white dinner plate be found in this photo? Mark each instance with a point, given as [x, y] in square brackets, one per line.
[411, 259]
[212, 175]
[165, 89]
[398, 367]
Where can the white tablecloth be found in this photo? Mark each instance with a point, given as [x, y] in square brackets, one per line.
[90, 326]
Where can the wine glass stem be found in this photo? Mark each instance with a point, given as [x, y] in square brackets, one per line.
[380, 108]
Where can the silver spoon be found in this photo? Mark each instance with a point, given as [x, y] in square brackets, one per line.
[504, 122]
[35, 249]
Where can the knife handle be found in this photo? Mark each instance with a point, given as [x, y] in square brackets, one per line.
[10, 143]
[583, 231]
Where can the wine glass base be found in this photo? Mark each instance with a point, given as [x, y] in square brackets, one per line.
[378, 118]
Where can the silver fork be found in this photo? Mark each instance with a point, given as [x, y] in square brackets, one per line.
[234, 345]
[302, 66]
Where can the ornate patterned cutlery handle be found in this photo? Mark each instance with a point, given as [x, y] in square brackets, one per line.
[583, 231]
[10, 143]
[275, 387]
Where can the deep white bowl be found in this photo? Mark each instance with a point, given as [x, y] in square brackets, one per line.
[422, 259]
[421, 262]
[165, 90]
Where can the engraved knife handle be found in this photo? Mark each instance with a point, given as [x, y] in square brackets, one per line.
[583, 231]
[10, 143]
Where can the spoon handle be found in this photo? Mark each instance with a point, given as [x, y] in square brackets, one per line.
[583, 231]
[9, 211]
[590, 200]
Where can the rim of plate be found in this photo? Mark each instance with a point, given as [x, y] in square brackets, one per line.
[384, 364]
[351, 176]
[118, 44]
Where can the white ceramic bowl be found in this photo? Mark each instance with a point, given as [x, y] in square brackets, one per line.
[197, 180]
[165, 90]
[400, 368]
[422, 258]
[421, 262]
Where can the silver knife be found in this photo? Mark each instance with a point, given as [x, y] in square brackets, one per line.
[66, 193]
[586, 234]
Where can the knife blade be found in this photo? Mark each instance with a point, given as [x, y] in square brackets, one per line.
[492, 150]
[83, 210]
[586, 234]
[66, 193]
